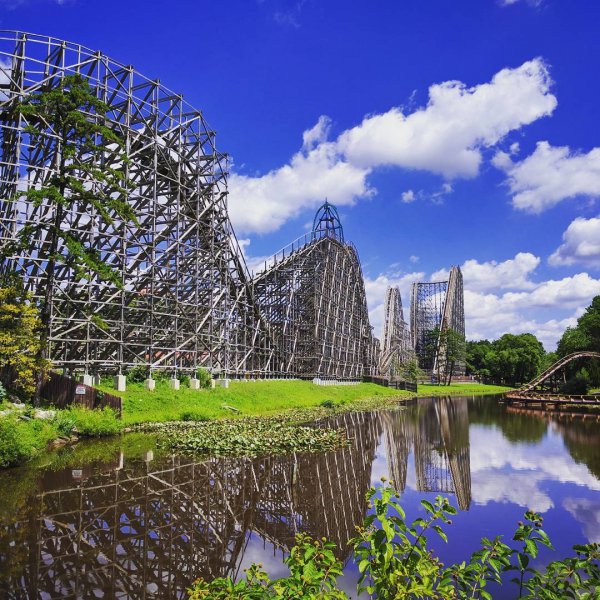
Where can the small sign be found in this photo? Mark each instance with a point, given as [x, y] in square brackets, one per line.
[80, 390]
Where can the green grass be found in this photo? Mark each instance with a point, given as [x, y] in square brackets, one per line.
[255, 398]
[263, 398]
[461, 389]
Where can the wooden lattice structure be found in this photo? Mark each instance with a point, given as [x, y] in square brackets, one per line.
[312, 295]
[185, 299]
[435, 308]
[396, 345]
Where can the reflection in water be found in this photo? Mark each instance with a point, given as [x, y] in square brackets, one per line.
[439, 431]
[147, 528]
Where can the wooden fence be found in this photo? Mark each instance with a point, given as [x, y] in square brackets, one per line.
[398, 384]
[62, 391]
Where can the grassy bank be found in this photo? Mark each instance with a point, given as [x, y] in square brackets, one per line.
[23, 437]
[266, 398]
[257, 398]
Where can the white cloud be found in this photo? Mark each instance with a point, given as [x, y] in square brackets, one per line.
[413, 258]
[581, 244]
[446, 136]
[408, 196]
[262, 204]
[489, 314]
[550, 175]
[513, 273]
[530, 2]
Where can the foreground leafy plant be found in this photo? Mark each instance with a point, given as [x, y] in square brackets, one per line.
[395, 562]
[314, 570]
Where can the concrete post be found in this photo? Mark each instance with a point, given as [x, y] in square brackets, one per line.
[213, 384]
[120, 383]
[194, 384]
[224, 383]
[87, 379]
[174, 383]
[150, 384]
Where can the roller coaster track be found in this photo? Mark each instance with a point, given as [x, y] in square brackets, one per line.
[555, 367]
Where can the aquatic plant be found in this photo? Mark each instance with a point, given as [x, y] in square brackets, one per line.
[250, 437]
[394, 561]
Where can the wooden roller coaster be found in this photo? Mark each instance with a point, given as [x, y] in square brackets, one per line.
[543, 390]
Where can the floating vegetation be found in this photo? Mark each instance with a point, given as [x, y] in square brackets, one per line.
[250, 437]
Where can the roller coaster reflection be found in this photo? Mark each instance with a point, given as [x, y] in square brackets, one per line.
[149, 528]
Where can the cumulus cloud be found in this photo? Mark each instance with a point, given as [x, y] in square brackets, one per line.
[530, 2]
[263, 204]
[581, 244]
[550, 175]
[491, 312]
[408, 196]
[447, 137]
[492, 275]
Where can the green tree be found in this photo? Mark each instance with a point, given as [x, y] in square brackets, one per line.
[68, 122]
[452, 344]
[584, 336]
[516, 358]
[476, 357]
[411, 371]
[20, 339]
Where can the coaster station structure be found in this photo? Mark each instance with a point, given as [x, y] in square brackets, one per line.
[186, 298]
[436, 307]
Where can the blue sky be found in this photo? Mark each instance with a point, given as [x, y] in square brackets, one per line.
[445, 132]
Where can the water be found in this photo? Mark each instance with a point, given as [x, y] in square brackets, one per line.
[117, 520]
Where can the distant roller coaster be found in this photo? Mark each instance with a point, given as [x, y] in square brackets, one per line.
[187, 298]
[436, 307]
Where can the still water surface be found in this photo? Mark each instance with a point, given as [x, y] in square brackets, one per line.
[117, 520]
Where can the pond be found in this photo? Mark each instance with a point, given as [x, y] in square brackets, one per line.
[119, 520]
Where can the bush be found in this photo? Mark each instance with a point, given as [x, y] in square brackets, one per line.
[137, 374]
[184, 380]
[190, 415]
[327, 404]
[22, 440]
[578, 385]
[204, 376]
[94, 423]
[65, 422]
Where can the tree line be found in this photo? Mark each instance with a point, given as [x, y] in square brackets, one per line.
[516, 359]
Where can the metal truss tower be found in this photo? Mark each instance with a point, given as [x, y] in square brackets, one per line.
[436, 307]
[312, 295]
[186, 298]
[396, 346]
